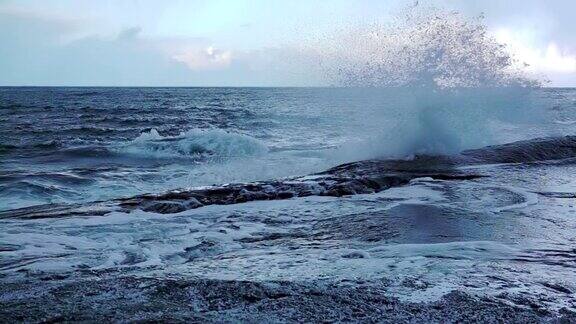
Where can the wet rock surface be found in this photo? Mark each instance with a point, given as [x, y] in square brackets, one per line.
[534, 150]
[144, 299]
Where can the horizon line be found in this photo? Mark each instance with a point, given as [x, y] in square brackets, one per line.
[228, 86]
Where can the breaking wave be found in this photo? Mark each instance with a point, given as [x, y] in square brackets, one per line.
[196, 143]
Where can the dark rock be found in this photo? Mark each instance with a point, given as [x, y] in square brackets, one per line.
[562, 195]
[164, 207]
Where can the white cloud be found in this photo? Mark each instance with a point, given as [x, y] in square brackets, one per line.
[547, 61]
[208, 58]
[551, 60]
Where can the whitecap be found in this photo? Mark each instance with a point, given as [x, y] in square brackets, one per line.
[195, 143]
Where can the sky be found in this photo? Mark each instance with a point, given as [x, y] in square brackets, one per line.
[237, 42]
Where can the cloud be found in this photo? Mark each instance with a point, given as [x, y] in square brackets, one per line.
[41, 52]
[539, 33]
[129, 34]
[550, 61]
[208, 58]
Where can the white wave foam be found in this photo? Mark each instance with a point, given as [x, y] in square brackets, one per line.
[195, 143]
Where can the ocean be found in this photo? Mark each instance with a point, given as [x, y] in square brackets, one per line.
[70, 145]
[413, 193]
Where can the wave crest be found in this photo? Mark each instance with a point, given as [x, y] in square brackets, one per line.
[196, 143]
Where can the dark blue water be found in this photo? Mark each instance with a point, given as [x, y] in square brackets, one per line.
[77, 144]
[84, 144]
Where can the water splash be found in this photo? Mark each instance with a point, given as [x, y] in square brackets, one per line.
[422, 47]
[440, 79]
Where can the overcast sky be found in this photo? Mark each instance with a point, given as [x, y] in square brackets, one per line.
[236, 42]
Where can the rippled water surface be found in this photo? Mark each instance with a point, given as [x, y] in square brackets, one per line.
[81, 144]
[85, 144]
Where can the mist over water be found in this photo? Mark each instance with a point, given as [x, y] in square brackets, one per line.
[403, 122]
